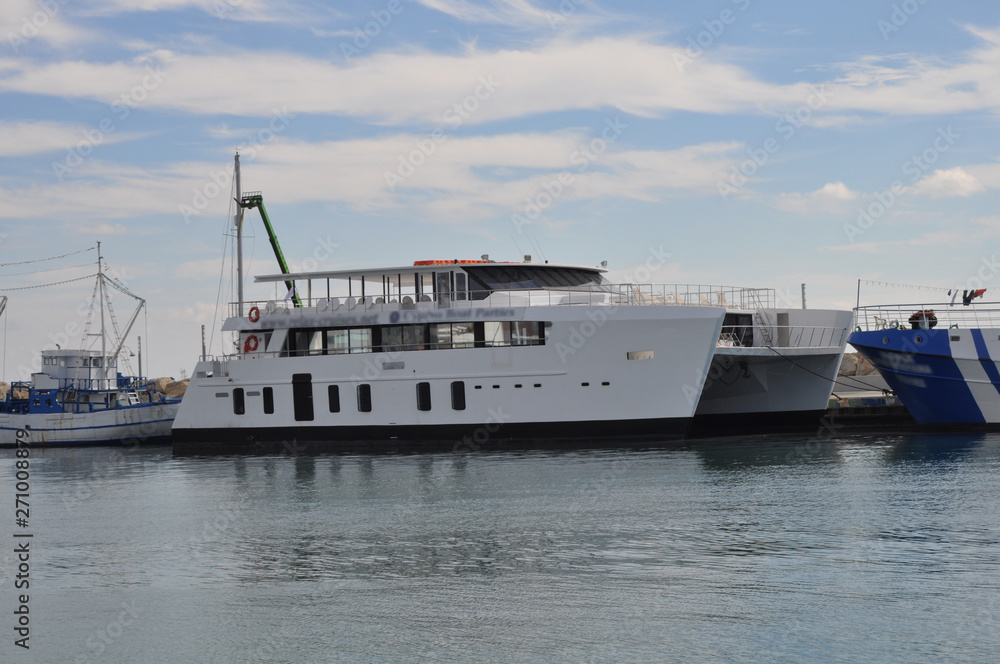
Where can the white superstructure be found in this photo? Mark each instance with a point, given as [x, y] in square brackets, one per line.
[451, 354]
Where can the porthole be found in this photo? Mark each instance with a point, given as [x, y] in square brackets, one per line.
[918, 339]
[885, 340]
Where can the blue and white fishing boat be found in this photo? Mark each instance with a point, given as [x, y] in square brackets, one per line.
[941, 359]
[80, 398]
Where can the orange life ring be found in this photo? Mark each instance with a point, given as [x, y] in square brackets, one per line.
[254, 314]
[250, 345]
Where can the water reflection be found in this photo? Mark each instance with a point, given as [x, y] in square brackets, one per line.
[736, 549]
[944, 447]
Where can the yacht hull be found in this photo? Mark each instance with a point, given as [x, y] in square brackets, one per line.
[603, 374]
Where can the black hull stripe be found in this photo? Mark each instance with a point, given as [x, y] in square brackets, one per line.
[403, 439]
[724, 424]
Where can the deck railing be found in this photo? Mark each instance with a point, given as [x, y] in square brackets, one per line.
[942, 315]
[782, 336]
[604, 294]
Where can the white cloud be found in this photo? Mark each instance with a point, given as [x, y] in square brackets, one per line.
[103, 228]
[911, 85]
[504, 12]
[235, 10]
[462, 178]
[631, 74]
[950, 182]
[204, 271]
[832, 197]
[22, 138]
[22, 21]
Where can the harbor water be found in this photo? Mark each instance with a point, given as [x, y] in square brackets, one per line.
[855, 549]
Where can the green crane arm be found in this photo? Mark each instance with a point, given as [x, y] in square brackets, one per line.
[254, 199]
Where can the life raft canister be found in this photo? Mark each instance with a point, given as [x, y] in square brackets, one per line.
[922, 319]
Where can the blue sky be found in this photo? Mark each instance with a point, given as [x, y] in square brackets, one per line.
[738, 142]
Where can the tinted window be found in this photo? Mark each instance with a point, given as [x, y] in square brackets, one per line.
[423, 396]
[486, 278]
[458, 395]
[333, 393]
[365, 398]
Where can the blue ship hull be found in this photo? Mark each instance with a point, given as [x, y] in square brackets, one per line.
[943, 376]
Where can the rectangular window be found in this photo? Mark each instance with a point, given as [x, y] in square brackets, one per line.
[525, 333]
[361, 340]
[458, 395]
[443, 289]
[302, 397]
[337, 342]
[333, 393]
[299, 342]
[496, 334]
[239, 403]
[440, 335]
[316, 342]
[460, 286]
[414, 337]
[423, 396]
[392, 338]
[463, 335]
[269, 400]
[365, 398]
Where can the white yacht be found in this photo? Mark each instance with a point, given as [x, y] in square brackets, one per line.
[449, 354]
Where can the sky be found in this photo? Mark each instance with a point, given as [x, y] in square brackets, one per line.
[737, 142]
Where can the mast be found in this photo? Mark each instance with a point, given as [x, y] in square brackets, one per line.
[102, 295]
[238, 222]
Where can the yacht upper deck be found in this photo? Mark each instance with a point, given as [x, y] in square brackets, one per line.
[468, 284]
